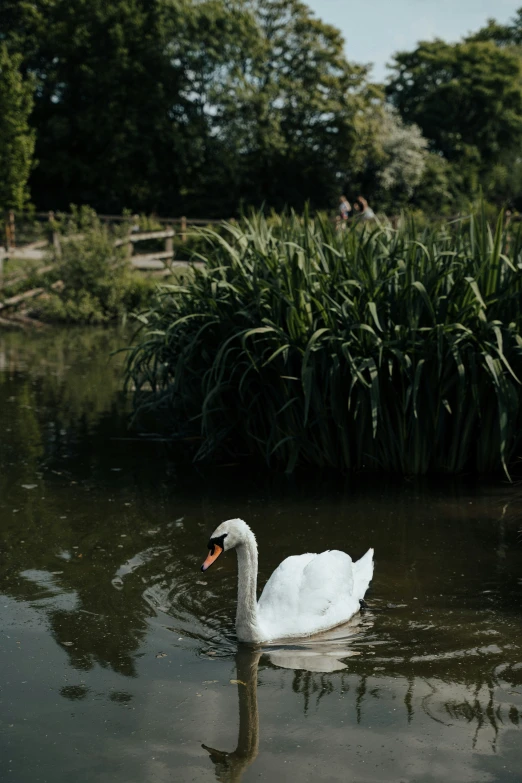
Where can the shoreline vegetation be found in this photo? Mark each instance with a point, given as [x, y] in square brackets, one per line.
[81, 270]
[377, 348]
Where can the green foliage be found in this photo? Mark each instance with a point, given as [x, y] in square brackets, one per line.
[389, 160]
[289, 125]
[458, 94]
[214, 106]
[501, 34]
[16, 138]
[467, 99]
[134, 59]
[436, 193]
[207, 105]
[386, 349]
[98, 283]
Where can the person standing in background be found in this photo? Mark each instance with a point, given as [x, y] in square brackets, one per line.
[364, 212]
[345, 211]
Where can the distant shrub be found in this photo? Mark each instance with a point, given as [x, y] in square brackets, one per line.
[99, 284]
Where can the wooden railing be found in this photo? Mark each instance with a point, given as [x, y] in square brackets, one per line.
[146, 261]
[182, 223]
[158, 261]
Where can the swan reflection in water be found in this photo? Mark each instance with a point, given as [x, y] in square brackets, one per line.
[324, 653]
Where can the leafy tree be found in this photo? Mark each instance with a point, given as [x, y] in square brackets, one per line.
[404, 155]
[439, 190]
[501, 34]
[465, 97]
[286, 117]
[390, 159]
[502, 181]
[106, 90]
[16, 137]
[311, 98]
[184, 106]
[119, 108]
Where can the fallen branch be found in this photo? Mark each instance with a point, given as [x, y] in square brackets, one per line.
[11, 324]
[42, 270]
[14, 300]
[18, 321]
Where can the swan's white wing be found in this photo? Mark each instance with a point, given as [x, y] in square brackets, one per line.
[309, 593]
[280, 596]
[327, 581]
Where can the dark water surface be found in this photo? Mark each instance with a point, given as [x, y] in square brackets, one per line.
[118, 658]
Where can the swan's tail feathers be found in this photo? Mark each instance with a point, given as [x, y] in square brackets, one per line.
[362, 574]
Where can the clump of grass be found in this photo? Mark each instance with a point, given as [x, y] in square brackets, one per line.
[380, 348]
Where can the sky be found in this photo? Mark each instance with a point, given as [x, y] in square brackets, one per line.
[375, 29]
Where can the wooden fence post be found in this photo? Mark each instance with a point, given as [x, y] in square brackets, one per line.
[11, 231]
[55, 237]
[183, 229]
[169, 245]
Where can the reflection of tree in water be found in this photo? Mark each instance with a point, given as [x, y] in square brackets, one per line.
[480, 708]
[98, 625]
[121, 697]
[64, 568]
[80, 692]
[98, 577]
[476, 697]
[59, 399]
[109, 641]
[74, 692]
[71, 370]
[311, 685]
[59, 389]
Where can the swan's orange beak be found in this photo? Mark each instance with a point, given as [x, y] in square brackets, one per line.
[213, 555]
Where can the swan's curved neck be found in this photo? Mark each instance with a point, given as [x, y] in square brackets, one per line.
[246, 616]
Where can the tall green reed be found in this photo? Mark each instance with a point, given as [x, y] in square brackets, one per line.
[380, 348]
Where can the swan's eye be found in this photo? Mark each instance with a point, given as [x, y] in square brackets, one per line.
[219, 541]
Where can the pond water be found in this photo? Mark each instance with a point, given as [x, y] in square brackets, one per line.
[118, 656]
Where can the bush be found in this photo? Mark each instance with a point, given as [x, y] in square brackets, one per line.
[394, 349]
[99, 284]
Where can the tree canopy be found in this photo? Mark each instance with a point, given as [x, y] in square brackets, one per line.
[193, 106]
[466, 97]
[298, 116]
[203, 107]
[467, 100]
[16, 137]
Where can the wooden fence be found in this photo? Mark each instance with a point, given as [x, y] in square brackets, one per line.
[160, 261]
[182, 223]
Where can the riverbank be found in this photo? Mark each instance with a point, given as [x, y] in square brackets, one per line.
[88, 271]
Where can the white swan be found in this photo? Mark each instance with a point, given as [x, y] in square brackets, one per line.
[306, 594]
